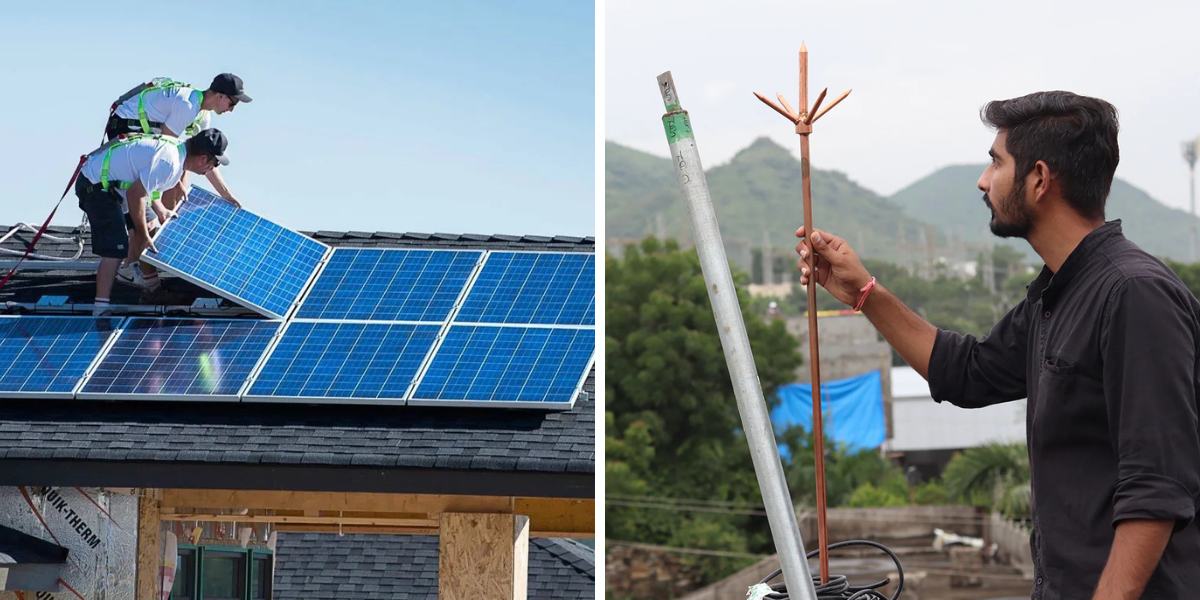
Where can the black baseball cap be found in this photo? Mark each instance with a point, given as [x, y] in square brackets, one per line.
[210, 142]
[230, 85]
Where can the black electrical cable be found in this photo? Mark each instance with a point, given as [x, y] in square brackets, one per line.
[838, 587]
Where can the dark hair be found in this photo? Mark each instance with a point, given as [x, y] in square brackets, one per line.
[1075, 135]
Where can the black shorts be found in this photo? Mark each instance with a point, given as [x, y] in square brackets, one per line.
[110, 225]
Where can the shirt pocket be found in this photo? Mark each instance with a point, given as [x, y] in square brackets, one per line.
[1066, 406]
[1055, 384]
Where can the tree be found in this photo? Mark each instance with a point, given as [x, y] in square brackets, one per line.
[664, 364]
[994, 476]
[673, 431]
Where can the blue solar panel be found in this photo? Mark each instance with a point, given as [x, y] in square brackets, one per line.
[389, 285]
[47, 356]
[546, 288]
[237, 254]
[365, 362]
[193, 359]
[510, 366]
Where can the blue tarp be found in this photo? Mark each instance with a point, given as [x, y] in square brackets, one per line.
[852, 410]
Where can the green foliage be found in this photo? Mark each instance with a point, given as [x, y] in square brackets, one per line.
[845, 470]
[1189, 274]
[930, 493]
[869, 496]
[994, 476]
[673, 429]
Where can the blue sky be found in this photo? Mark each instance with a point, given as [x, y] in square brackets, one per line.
[457, 117]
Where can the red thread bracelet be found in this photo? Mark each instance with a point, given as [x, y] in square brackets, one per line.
[862, 297]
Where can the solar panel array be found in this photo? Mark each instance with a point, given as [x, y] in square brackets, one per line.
[522, 366]
[180, 359]
[349, 325]
[551, 288]
[389, 285]
[45, 356]
[344, 361]
[237, 254]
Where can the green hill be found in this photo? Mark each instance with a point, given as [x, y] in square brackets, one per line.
[758, 200]
[948, 199]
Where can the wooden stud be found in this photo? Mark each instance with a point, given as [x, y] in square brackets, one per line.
[149, 545]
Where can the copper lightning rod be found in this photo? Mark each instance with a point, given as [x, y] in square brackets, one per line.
[804, 123]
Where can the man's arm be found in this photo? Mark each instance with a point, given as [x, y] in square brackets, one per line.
[135, 197]
[840, 271]
[959, 368]
[1148, 349]
[218, 183]
[1137, 546]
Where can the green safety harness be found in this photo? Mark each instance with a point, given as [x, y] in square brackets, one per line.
[126, 140]
[164, 83]
[156, 84]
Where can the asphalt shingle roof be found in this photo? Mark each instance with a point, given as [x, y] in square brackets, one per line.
[320, 566]
[471, 439]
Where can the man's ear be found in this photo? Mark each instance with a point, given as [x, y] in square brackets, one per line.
[1038, 181]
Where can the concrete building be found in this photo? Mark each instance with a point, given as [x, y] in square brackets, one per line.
[926, 434]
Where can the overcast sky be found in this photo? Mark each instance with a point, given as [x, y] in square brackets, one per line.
[919, 76]
[461, 116]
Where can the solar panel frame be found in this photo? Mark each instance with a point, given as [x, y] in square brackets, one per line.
[484, 265]
[205, 195]
[116, 322]
[415, 400]
[80, 393]
[247, 395]
[480, 258]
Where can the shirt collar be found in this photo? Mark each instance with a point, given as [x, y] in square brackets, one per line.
[1051, 283]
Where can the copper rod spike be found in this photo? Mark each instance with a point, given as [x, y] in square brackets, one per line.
[778, 109]
[832, 104]
[803, 75]
[789, 108]
[816, 105]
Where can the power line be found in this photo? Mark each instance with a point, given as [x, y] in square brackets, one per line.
[681, 550]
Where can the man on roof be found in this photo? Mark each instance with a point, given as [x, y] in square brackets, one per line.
[168, 107]
[1105, 346]
[116, 182]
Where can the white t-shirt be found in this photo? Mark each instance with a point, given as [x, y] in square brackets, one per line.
[158, 164]
[175, 108]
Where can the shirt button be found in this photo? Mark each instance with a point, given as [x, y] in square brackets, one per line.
[1047, 315]
[1039, 581]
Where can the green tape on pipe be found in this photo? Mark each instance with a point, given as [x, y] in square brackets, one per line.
[678, 126]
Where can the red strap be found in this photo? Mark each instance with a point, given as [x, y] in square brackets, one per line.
[37, 236]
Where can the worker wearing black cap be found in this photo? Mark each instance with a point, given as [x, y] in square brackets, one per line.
[116, 181]
[167, 107]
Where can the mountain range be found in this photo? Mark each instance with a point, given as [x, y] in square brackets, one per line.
[757, 199]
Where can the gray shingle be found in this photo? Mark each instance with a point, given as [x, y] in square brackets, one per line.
[326, 566]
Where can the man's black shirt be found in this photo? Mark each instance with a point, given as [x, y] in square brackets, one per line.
[1106, 350]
